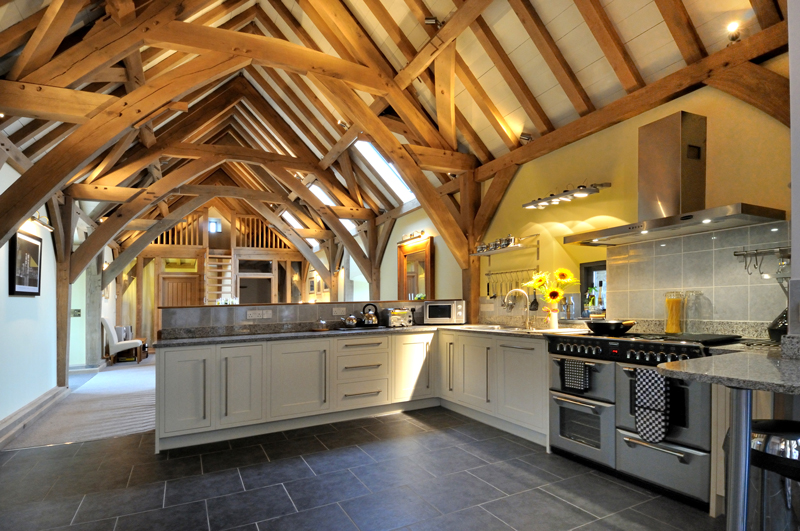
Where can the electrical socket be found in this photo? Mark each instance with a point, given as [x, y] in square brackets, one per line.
[254, 314]
[266, 314]
[339, 310]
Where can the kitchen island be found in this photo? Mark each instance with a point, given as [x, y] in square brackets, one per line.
[742, 372]
[218, 388]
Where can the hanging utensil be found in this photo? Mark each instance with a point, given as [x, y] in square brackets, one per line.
[534, 303]
[503, 300]
[494, 287]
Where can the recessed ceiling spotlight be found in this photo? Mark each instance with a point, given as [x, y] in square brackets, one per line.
[733, 31]
[525, 137]
[645, 231]
[774, 230]
[706, 221]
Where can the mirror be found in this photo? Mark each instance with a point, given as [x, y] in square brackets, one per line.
[415, 275]
[593, 289]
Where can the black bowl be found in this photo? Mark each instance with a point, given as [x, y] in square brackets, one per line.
[603, 327]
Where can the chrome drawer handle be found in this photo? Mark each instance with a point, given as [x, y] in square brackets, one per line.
[325, 377]
[363, 394]
[581, 404]
[518, 348]
[587, 363]
[365, 344]
[373, 366]
[681, 456]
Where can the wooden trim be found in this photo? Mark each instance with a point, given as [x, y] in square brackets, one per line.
[441, 160]
[403, 251]
[445, 67]
[491, 201]
[51, 103]
[112, 194]
[764, 89]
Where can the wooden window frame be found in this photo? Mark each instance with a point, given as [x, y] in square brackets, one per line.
[405, 249]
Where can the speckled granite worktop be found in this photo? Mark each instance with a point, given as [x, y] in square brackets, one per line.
[762, 370]
[342, 332]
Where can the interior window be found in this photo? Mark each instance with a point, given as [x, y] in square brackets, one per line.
[386, 170]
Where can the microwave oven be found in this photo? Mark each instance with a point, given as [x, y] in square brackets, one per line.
[445, 312]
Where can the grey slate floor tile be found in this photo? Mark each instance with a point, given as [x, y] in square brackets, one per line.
[40, 515]
[479, 431]
[280, 471]
[119, 502]
[248, 507]
[258, 439]
[447, 461]
[555, 464]
[456, 491]
[394, 429]
[388, 510]
[187, 517]
[595, 495]
[99, 525]
[325, 489]
[471, 519]
[680, 515]
[629, 521]
[497, 449]
[252, 455]
[514, 476]
[310, 431]
[352, 437]
[393, 448]
[535, 510]
[349, 457]
[436, 440]
[164, 470]
[293, 448]
[195, 488]
[390, 474]
[187, 451]
[327, 518]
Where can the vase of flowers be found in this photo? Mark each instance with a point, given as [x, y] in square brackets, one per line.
[551, 287]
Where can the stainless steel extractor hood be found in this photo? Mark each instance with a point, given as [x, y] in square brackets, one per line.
[672, 189]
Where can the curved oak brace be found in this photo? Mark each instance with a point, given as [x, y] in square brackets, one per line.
[763, 89]
[51, 172]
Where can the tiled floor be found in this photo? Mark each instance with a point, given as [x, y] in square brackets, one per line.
[421, 471]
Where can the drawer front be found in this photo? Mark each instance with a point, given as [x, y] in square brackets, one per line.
[359, 366]
[675, 467]
[361, 344]
[353, 395]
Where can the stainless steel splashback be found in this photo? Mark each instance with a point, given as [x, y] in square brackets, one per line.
[672, 166]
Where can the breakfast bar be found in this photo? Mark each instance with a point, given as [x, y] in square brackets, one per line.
[743, 373]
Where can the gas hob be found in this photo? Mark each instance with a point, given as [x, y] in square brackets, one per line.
[641, 349]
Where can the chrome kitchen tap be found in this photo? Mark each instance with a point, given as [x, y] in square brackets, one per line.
[527, 306]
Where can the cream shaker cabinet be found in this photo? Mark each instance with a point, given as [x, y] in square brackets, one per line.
[522, 382]
[185, 393]
[412, 368]
[445, 366]
[241, 383]
[475, 371]
[300, 378]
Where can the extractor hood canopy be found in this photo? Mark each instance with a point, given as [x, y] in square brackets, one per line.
[672, 187]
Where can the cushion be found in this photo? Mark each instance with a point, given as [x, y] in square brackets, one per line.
[120, 330]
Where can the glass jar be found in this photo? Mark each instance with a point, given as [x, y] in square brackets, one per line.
[674, 301]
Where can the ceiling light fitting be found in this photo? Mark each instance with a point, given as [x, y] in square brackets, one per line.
[733, 32]
[433, 21]
[525, 137]
[566, 196]
[36, 218]
[343, 125]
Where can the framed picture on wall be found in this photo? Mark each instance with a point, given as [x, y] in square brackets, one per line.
[24, 268]
[319, 285]
[311, 285]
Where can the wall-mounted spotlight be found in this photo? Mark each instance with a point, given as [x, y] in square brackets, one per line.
[2, 115]
[36, 218]
[525, 137]
[105, 265]
[411, 238]
[566, 196]
[734, 33]
[433, 21]
[343, 125]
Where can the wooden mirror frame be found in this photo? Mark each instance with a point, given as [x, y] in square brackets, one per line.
[403, 251]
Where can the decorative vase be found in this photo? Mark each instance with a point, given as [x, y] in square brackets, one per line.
[554, 317]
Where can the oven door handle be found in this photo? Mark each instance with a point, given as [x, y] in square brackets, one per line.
[593, 408]
[559, 360]
[630, 372]
[630, 442]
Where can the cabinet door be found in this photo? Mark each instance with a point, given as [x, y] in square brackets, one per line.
[186, 389]
[299, 377]
[241, 369]
[475, 372]
[522, 382]
[446, 360]
[411, 367]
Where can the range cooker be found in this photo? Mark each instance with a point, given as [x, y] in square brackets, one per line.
[598, 422]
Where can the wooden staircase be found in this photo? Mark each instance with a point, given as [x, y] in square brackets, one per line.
[219, 276]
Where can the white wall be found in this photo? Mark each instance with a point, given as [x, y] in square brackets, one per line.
[448, 274]
[27, 326]
[109, 305]
[77, 325]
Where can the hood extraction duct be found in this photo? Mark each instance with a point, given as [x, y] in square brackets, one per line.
[672, 189]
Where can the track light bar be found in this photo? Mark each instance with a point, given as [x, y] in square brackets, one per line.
[566, 196]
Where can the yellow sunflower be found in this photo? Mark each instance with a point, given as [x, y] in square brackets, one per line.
[563, 274]
[552, 294]
[538, 281]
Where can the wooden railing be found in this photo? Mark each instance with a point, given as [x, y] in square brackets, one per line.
[187, 232]
[253, 232]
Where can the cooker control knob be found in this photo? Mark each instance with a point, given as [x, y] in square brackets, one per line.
[641, 356]
[631, 354]
[561, 347]
[684, 357]
[672, 357]
[573, 348]
[661, 357]
[581, 349]
[597, 351]
[651, 356]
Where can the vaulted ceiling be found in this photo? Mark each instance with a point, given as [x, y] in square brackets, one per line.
[124, 114]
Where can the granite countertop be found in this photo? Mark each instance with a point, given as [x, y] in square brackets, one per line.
[341, 332]
[762, 370]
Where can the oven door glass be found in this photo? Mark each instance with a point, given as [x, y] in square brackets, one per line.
[582, 427]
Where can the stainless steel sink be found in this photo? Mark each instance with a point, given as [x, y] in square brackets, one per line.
[481, 327]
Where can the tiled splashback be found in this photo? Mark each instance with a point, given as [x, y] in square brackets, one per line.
[210, 321]
[639, 275]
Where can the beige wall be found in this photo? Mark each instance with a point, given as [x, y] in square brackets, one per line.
[747, 161]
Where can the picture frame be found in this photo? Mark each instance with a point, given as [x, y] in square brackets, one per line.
[319, 285]
[311, 285]
[24, 265]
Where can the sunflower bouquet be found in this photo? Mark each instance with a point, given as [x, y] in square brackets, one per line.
[551, 286]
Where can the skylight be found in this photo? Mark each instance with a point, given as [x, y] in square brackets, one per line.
[386, 170]
[321, 195]
[292, 221]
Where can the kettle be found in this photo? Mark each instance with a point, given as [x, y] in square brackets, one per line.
[370, 318]
[350, 321]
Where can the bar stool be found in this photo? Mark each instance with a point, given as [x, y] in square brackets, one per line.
[775, 447]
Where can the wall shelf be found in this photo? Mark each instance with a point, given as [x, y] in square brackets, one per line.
[512, 248]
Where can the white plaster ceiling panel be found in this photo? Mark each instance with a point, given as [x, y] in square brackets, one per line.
[519, 122]
[473, 54]
[9, 15]
[580, 48]
[550, 9]
[565, 22]
[440, 9]
[659, 59]
[618, 10]
[493, 142]
[557, 106]
[600, 82]
[639, 22]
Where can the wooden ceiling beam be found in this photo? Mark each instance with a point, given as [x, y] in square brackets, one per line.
[491, 201]
[644, 99]
[607, 37]
[44, 41]
[15, 158]
[682, 29]
[112, 157]
[109, 194]
[764, 89]
[445, 91]
[552, 55]
[441, 160]
[51, 103]
[236, 153]
[232, 191]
